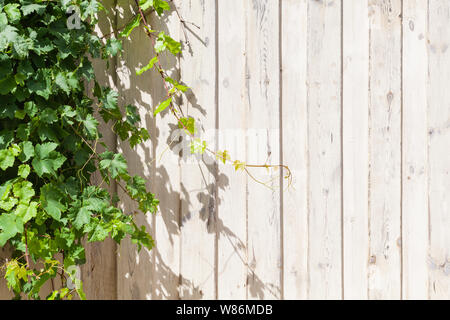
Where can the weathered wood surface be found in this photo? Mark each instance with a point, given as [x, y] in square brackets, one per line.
[355, 143]
[385, 149]
[324, 150]
[415, 170]
[232, 109]
[294, 112]
[198, 256]
[351, 95]
[438, 123]
[99, 274]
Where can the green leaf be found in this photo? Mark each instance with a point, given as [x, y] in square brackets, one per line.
[5, 190]
[198, 146]
[138, 136]
[99, 233]
[164, 42]
[6, 137]
[6, 159]
[49, 116]
[3, 21]
[223, 156]
[5, 65]
[20, 114]
[109, 100]
[23, 131]
[66, 81]
[114, 163]
[32, 8]
[7, 85]
[90, 8]
[7, 205]
[90, 126]
[41, 83]
[162, 106]
[159, 5]
[7, 202]
[238, 165]
[132, 113]
[61, 82]
[10, 224]
[130, 27]
[148, 66]
[23, 191]
[30, 108]
[7, 36]
[188, 124]
[47, 160]
[20, 79]
[177, 85]
[136, 187]
[22, 46]
[31, 212]
[145, 4]
[83, 217]
[112, 47]
[51, 201]
[24, 171]
[27, 151]
[141, 237]
[42, 151]
[12, 10]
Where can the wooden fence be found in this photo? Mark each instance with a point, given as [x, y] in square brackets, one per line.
[352, 95]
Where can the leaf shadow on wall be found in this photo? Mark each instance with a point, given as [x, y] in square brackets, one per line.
[148, 275]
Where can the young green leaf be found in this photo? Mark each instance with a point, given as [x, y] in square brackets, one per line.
[162, 106]
[148, 66]
[130, 27]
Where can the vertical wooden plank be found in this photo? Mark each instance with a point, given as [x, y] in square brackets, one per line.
[198, 181]
[135, 270]
[262, 65]
[232, 205]
[99, 273]
[324, 140]
[295, 147]
[415, 147]
[5, 293]
[385, 150]
[166, 254]
[438, 148]
[355, 148]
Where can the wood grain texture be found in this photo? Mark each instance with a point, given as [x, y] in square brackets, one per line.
[99, 274]
[355, 152]
[438, 146]
[324, 141]
[232, 111]
[385, 150]
[414, 150]
[198, 263]
[263, 89]
[135, 270]
[351, 95]
[166, 254]
[5, 293]
[294, 31]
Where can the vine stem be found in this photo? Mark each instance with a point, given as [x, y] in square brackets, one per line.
[160, 68]
[94, 152]
[183, 23]
[27, 255]
[161, 72]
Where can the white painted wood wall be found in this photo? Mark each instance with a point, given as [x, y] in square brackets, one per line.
[352, 95]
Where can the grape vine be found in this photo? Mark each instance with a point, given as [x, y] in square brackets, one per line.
[50, 143]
